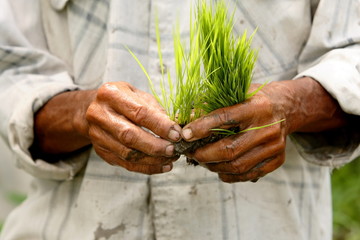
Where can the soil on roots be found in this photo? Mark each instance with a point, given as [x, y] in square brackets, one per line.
[184, 147]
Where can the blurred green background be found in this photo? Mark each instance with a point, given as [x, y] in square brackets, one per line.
[346, 201]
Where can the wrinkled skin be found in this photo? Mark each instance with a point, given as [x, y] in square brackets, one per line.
[250, 155]
[112, 119]
[115, 117]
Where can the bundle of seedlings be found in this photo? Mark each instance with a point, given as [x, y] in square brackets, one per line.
[215, 72]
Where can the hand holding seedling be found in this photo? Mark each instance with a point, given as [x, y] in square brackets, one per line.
[244, 156]
[241, 127]
[117, 118]
[250, 155]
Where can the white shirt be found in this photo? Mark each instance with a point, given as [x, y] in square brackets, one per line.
[58, 45]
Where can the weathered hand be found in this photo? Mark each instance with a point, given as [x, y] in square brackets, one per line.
[244, 156]
[117, 119]
[253, 154]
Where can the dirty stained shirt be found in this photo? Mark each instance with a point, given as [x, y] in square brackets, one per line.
[51, 46]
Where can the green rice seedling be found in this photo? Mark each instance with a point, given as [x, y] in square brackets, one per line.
[215, 72]
[188, 77]
[232, 132]
[228, 60]
[179, 103]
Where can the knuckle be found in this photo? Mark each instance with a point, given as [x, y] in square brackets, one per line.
[270, 133]
[223, 117]
[93, 134]
[92, 112]
[140, 114]
[105, 90]
[240, 168]
[229, 151]
[127, 136]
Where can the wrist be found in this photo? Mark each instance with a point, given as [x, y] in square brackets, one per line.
[309, 107]
[60, 125]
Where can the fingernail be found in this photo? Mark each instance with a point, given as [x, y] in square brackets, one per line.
[174, 135]
[169, 150]
[187, 133]
[166, 168]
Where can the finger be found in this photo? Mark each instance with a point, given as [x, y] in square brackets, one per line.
[125, 132]
[232, 147]
[248, 160]
[112, 159]
[149, 145]
[134, 156]
[257, 172]
[126, 101]
[238, 115]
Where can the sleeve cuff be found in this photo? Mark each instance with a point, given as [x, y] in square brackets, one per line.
[21, 135]
[339, 73]
[332, 148]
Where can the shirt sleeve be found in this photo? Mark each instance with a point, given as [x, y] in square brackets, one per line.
[29, 77]
[331, 56]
